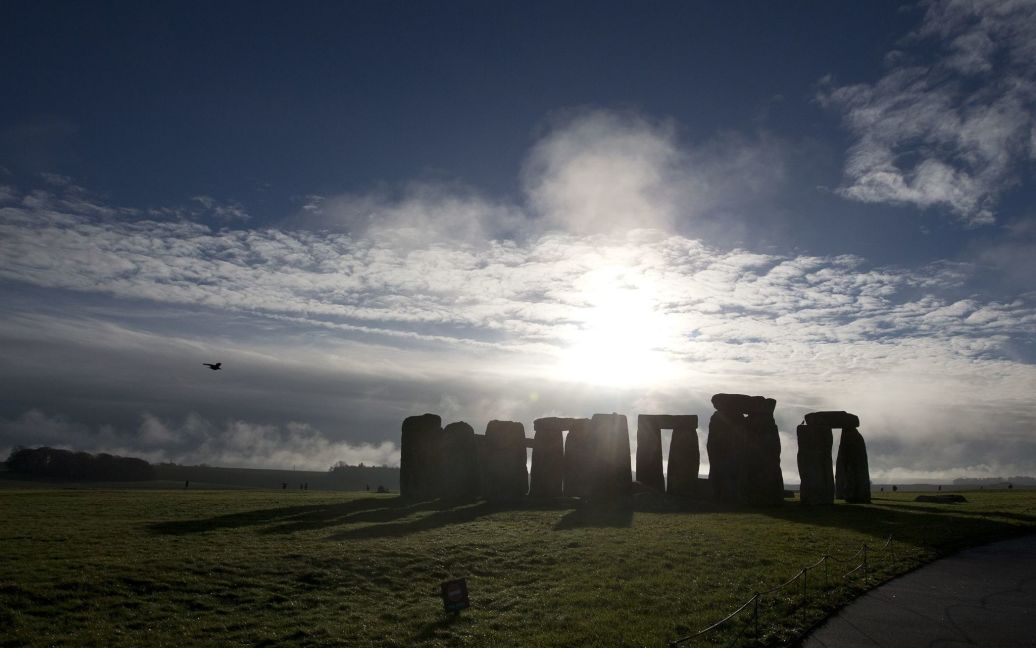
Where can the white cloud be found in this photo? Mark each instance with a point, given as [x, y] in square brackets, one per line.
[195, 440]
[949, 125]
[435, 298]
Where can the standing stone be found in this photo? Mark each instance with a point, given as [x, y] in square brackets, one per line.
[420, 455]
[578, 448]
[507, 476]
[548, 458]
[649, 452]
[459, 477]
[760, 480]
[611, 475]
[817, 482]
[684, 457]
[722, 445]
[482, 456]
[852, 478]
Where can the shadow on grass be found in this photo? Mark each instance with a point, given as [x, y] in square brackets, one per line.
[289, 519]
[596, 516]
[380, 517]
[910, 524]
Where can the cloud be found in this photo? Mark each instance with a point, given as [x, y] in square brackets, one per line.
[599, 172]
[952, 120]
[366, 308]
[195, 440]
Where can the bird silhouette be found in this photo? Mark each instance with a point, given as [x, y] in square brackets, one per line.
[214, 367]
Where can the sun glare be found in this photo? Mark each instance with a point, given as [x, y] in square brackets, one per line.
[621, 341]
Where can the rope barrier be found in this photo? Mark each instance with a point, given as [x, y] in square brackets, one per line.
[802, 573]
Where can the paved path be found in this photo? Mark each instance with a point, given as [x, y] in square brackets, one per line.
[980, 597]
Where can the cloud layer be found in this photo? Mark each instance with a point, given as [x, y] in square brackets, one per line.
[588, 295]
[952, 123]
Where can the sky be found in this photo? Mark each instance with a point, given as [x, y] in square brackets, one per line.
[510, 210]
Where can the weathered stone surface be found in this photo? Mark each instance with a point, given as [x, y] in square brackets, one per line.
[611, 475]
[482, 454]
[742, 404]
[649, 452]
[459, 478]
[833, 419]
[760, 481]
[548, 458]
[420, 451]
[815, 471]
[684, 457]
[507, 477]
[578, 449]
[852, 475]
[722, 446]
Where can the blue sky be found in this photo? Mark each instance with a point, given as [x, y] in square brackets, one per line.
[514, 210]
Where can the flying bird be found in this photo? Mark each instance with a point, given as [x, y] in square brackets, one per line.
[214, 367]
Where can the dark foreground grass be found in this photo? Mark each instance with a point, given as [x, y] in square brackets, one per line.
[188, 568]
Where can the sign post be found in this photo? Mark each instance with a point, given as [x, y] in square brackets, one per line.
[455, 595]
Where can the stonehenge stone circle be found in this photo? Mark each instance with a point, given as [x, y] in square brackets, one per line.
[593, 460]
[420, 456]
[817, 481]
[459, 477]
[852, 476]
[507, 477]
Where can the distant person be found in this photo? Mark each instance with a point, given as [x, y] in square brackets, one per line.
[368, 488]
[284, 485]
[214, 367]
[882, 489]
[940, 488]
[895, 488]
[186, 484]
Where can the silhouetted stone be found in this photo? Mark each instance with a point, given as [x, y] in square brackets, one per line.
[420, 452]
[548, 458]
[722, 445]
[482, 455]
[742, 404]
[814, 459]
[649, 452]
[760, 481]
[459, 478]
[507, 476]
[611, 474]
[852, 476]
[578, 451]
[833, 420]
[684, 457]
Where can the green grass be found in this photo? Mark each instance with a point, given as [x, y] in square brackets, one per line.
[187, 568]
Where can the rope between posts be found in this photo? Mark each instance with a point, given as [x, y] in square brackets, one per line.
[800, 574]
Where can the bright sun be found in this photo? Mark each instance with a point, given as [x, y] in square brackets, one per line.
[623, 335]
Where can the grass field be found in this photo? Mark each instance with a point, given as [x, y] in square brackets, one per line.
[186, 568]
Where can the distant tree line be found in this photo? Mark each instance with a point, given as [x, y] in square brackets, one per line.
[68, 465]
